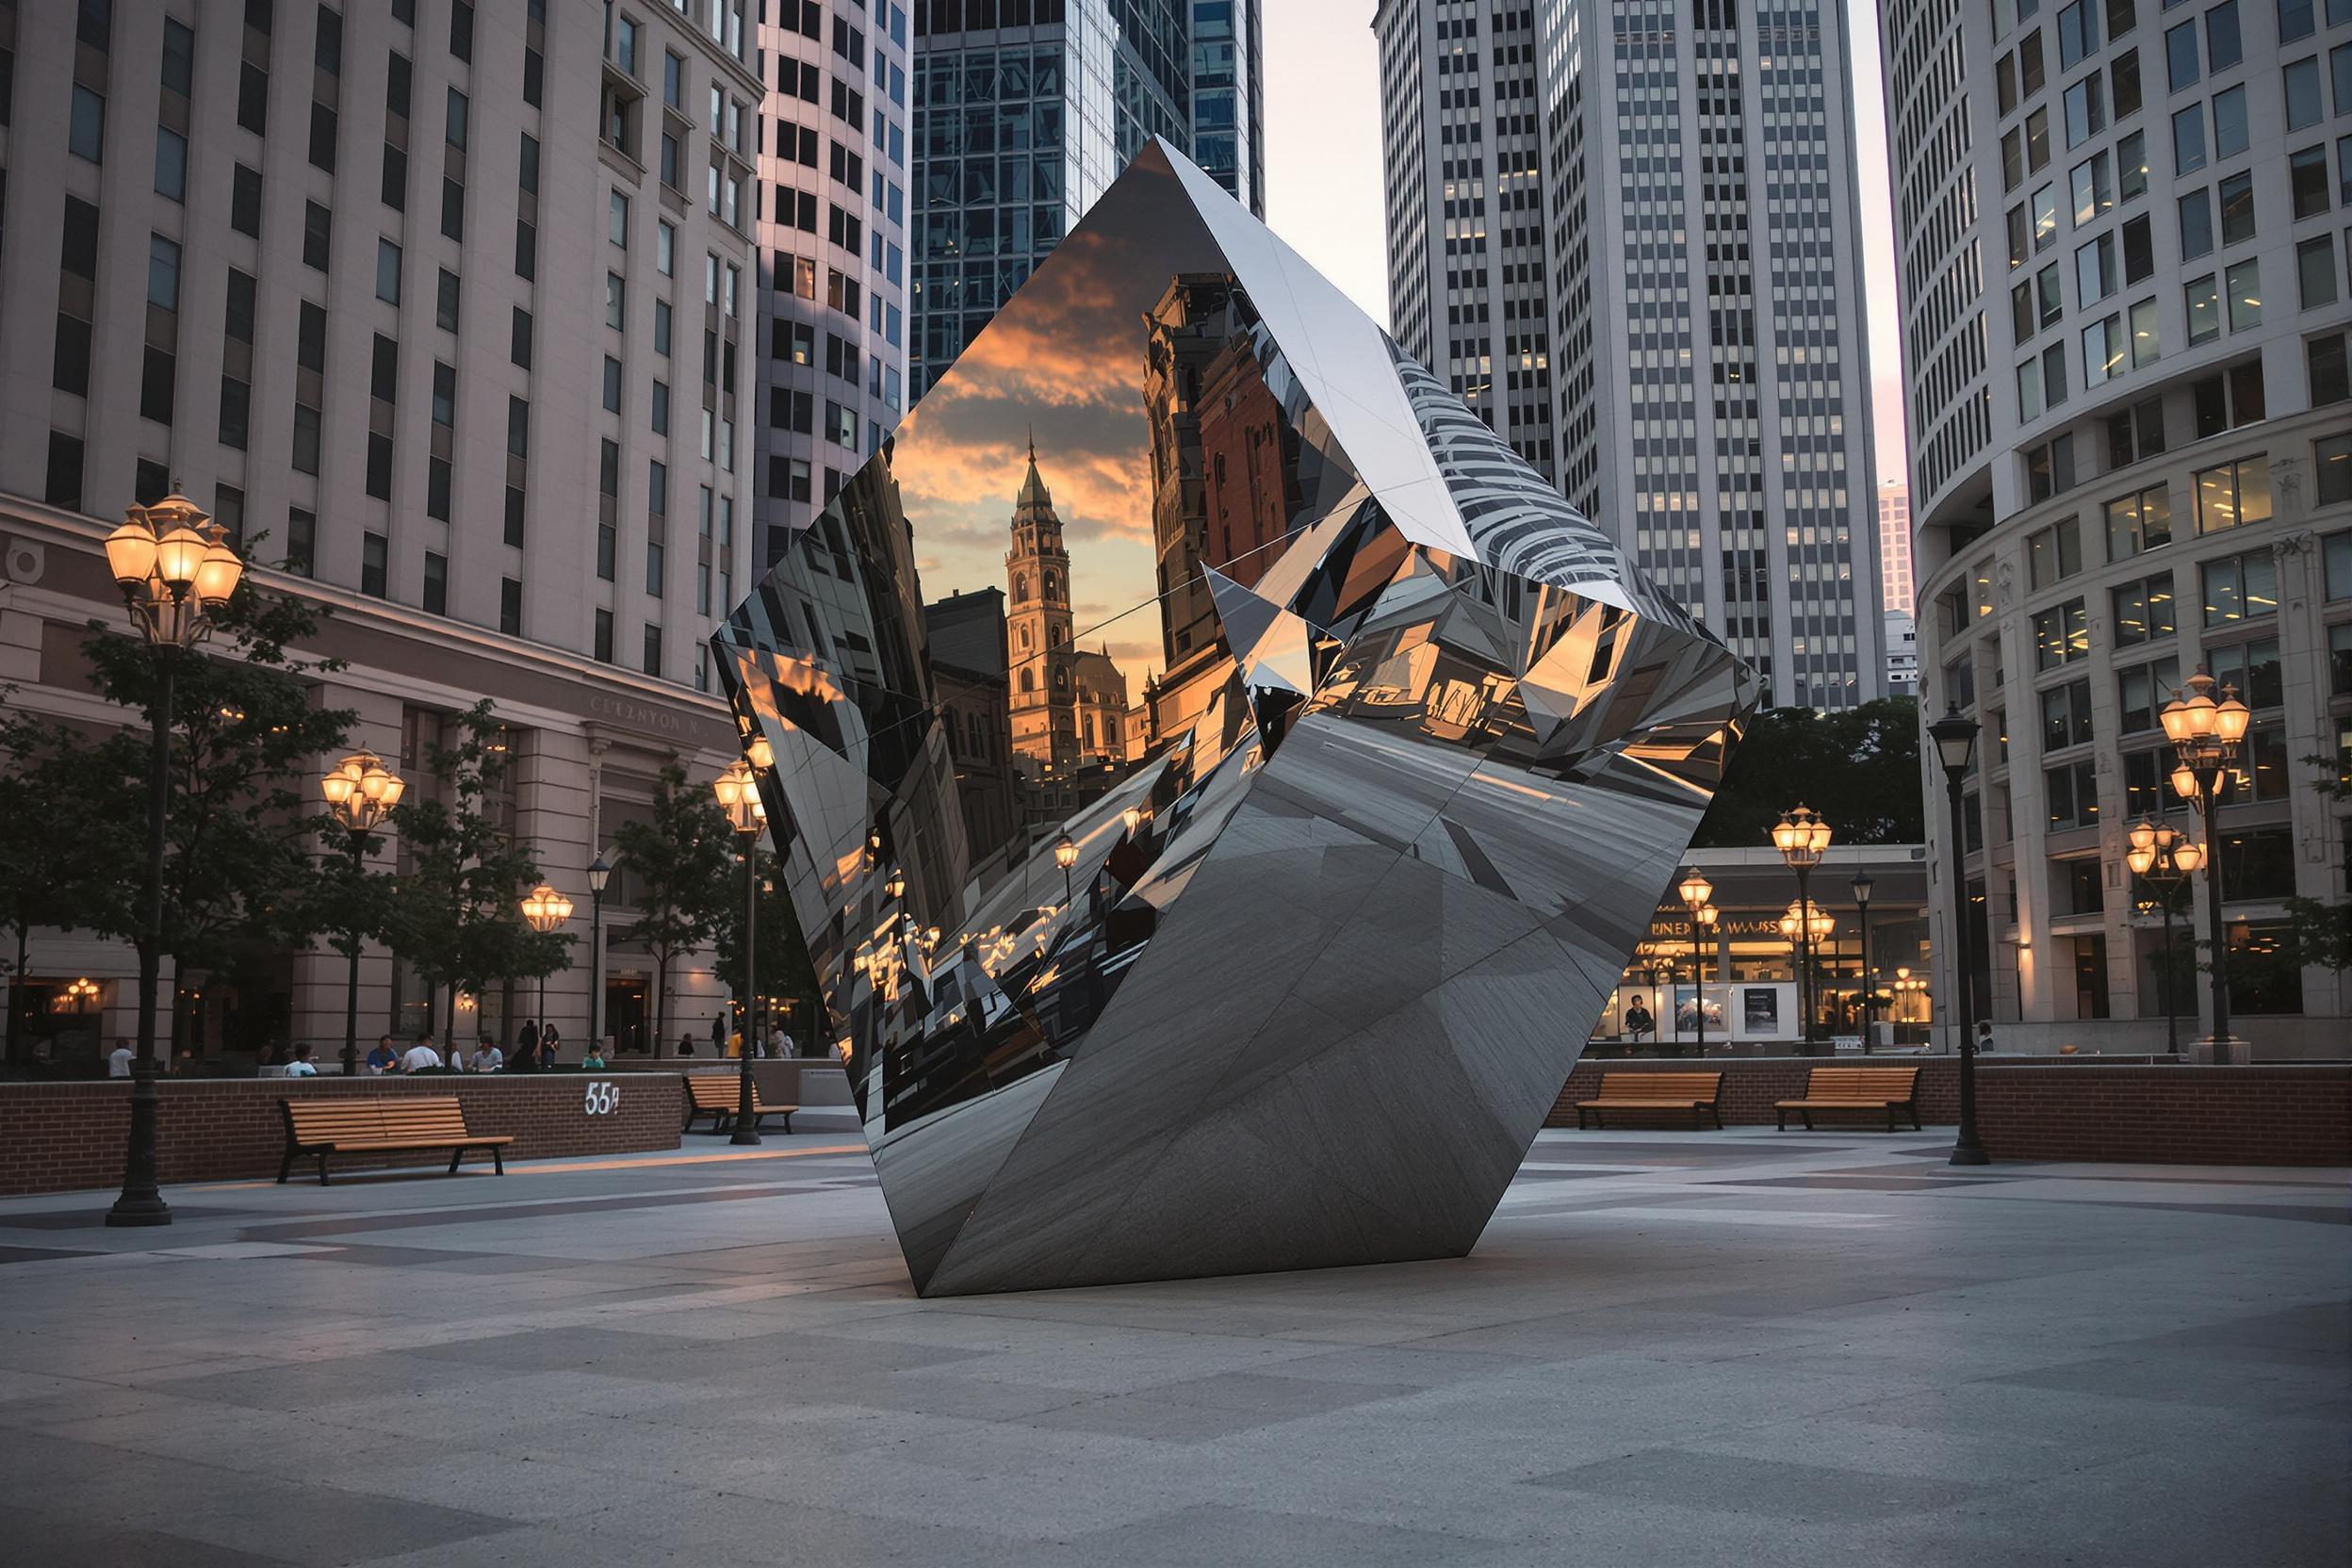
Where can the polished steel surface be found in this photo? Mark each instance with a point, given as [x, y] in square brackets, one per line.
[1217, 869]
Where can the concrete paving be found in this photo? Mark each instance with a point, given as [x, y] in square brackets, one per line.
[1734, 1348]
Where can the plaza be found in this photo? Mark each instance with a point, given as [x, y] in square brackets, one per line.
[1727, 1348]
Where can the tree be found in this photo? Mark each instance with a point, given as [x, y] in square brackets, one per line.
[781, 956]
[1858, 768]
[680, 864]
[455, 915]
[237, 872]
[59, 848]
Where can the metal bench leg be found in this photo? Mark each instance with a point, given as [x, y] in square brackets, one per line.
[787, 1124]
[1717, 1112]
[323, 1167]
[456, 1154]
[1914, 1117]
[1780, 1117]
[498, 1160]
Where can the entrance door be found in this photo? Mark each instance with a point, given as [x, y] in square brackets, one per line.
[625, 1012]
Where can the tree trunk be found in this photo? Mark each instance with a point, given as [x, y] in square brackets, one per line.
[660, 1001]
[16, 990]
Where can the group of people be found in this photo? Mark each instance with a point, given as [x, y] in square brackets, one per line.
[535, 1050]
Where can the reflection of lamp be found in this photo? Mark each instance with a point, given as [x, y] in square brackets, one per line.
[79, 992]
[1065, 855]
[2206, 737]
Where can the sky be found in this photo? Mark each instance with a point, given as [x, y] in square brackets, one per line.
[1323, 172]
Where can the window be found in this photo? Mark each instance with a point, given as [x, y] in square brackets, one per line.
[2054, 553]
[310, 337]
[444, 394]
[2331, 473]
[2245, 286]
[2316, 270]
[611, 384]
[2067, 715]
[2197, 223]
[2086, 110]
[2049, 294]
[2232, 495]
[373, 551]
[253, 98]
[2302, 87]
[2228, 399]
[2237, 208]
[2188, 139]
[653, 648]
[445, 301]
[2132, 166]
[163, 273]
[2094, 192]
[510, 606]
[656, 564]
[2201, 300]
[387, 272]
[86, 127]
[2229, 123]
[602, 646]
[179, 58]
[2340, 660]
[2045, 216]
[2240, 586]
[2123, 84]
[2048, 470]
[2139, 250]
[2071, 794]
[2060, 635]
[2181, 65]
[616, 226]
[2145, 344]
[2252, 667]
[171, 164]
[2078, 33]
[2307, 179]
[2133, 433]
[2323, 363]
[158, 386]
[2141, 692]
[615, 300]
[2095, 270]
[2143, 610]
[518, 427]
[436, 595]
[318, 231]
[661, 408]
[302, 541]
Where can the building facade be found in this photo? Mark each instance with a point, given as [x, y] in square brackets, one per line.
[833, 213]
[2124, 297]
[483, 394]
[1627, 235]
[1894, 543]
[1024, 112]
[1901, 636]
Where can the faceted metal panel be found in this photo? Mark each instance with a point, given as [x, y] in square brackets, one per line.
[1368, 757]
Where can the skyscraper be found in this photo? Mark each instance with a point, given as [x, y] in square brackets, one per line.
[1628, 237]
[1894, 543]
[269, 256]
[832, 239]
[1025, 110]
[2124, 344]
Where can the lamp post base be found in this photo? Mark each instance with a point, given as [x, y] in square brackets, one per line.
[2228, 1051]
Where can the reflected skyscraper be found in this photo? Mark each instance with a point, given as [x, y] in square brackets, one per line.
[1296, 985]
[1025, 110]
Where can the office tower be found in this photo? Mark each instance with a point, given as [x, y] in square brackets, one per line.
[1628, 237]
[2123, 274]
[831, 236]
[1025, 110]
[1894, 543]
[441, 309]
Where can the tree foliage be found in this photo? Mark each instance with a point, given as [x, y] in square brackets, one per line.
[781, 958]
[455, 914]
[1858, 768]
[680, 867]
[58, 846]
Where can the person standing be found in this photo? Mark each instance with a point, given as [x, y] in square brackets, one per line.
[526, 1039]
[118, 1060]
[550, 1048]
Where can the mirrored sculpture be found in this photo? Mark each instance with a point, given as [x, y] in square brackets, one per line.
[1217, 779]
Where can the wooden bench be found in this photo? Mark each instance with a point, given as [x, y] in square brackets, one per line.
[1655, 1091]
[719, 1096]
[380, 1124]
[1891, 1090]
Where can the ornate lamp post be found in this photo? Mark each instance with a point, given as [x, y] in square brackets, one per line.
[1694, 891]
[544, 909]
[737, 790]
[2205, 737]
[599, 872]
[174, 567]
[1954, 735]
[2165, 859]
[360, 792]
[1065, 855]
[1862, 888]
[1802, 838]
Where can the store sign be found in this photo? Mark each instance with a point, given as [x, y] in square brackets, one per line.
[643, 716]
[1665, 928]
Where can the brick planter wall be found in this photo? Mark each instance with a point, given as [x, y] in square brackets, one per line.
[2045, 1109]
[59, 1137]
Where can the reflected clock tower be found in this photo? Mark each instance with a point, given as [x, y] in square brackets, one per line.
[1037, 628]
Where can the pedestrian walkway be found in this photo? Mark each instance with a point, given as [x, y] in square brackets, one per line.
[1824, 1348]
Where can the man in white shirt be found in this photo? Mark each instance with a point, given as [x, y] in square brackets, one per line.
[420, 1055]
[118, 1060]
[302, 1065]
[488, 1057]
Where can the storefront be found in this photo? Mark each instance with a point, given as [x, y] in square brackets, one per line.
[1746, 995]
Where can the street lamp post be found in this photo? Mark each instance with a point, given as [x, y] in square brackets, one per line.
[2205, 737]
[599, 872]
[1954, 735]
[1862, 888]
[360, 793]
[1065, 855]
[544, 909]
[737, 790]
[1802, 838]
[174, 566]
[2165, 859]
[1695, 890]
